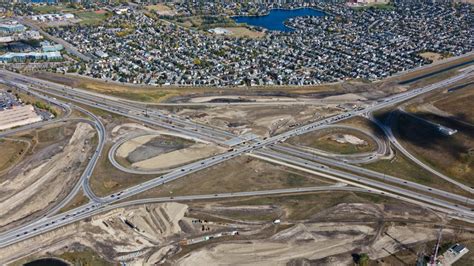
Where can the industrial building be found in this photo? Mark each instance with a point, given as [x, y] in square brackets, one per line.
[18, 116]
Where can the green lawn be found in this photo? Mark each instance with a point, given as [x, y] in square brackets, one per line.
[92, 18]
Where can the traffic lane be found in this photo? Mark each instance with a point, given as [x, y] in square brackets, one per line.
[346, 176]
[360, 170]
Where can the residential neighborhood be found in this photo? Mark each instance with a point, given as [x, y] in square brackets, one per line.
[370, 44]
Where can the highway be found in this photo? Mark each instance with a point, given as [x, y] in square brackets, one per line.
[356, 180]
[95, 121]
[286, 149]
[383, 149]
[192, 129]
[90, 209]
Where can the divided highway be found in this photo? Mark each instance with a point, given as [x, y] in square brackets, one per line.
[218, 136]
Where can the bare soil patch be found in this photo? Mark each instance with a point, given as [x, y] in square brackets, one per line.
[44, 177]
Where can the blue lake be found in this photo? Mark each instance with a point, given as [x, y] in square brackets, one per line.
[276, 18]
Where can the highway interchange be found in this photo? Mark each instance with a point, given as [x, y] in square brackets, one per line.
[268, 149]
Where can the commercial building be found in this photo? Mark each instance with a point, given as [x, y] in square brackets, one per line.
[52, 17]
[11, 27]
[33, 56]
[18, 116]
[48, 47]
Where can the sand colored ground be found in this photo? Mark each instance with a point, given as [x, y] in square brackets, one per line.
[35, 188]
[155, 223]
[311, 241]
[346, 138]
[348, 97]
[245, 32]
[260, 120]
[172, 159]
[432, 56]
[248, 98]
[120, 130]
[162, 9]
[126, 148]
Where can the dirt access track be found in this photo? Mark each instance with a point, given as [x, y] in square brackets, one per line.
[154, 233]
[44, 177]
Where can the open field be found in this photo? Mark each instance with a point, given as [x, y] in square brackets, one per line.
[259, 120]
[403, 168]
[161, 9]
[78, 200]
[43, 177]
[12, 151]
[245, 32]
[147, 147]
[316, 227]
[432, 56]
[240, 174]
[152, 152]
[458, 103]
[92, 17]
[336, 140]
[107, 179]
[304, 207]
[387, 227]
[452, 155]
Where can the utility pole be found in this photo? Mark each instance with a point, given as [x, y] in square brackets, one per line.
[435, 251]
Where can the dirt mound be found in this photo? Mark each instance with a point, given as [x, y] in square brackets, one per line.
[120, 235]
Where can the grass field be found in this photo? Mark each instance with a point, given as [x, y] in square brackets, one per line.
[459, 103]
[161, 9]
[451, 155]
[92, 18]
[323, 140]
[160, 94]
[86, 257]
[12, 151]
[300, 207]
[245, 32]
[430, 69]
[78, 200]
[106, 179]
[48, 9]
[240, 174]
